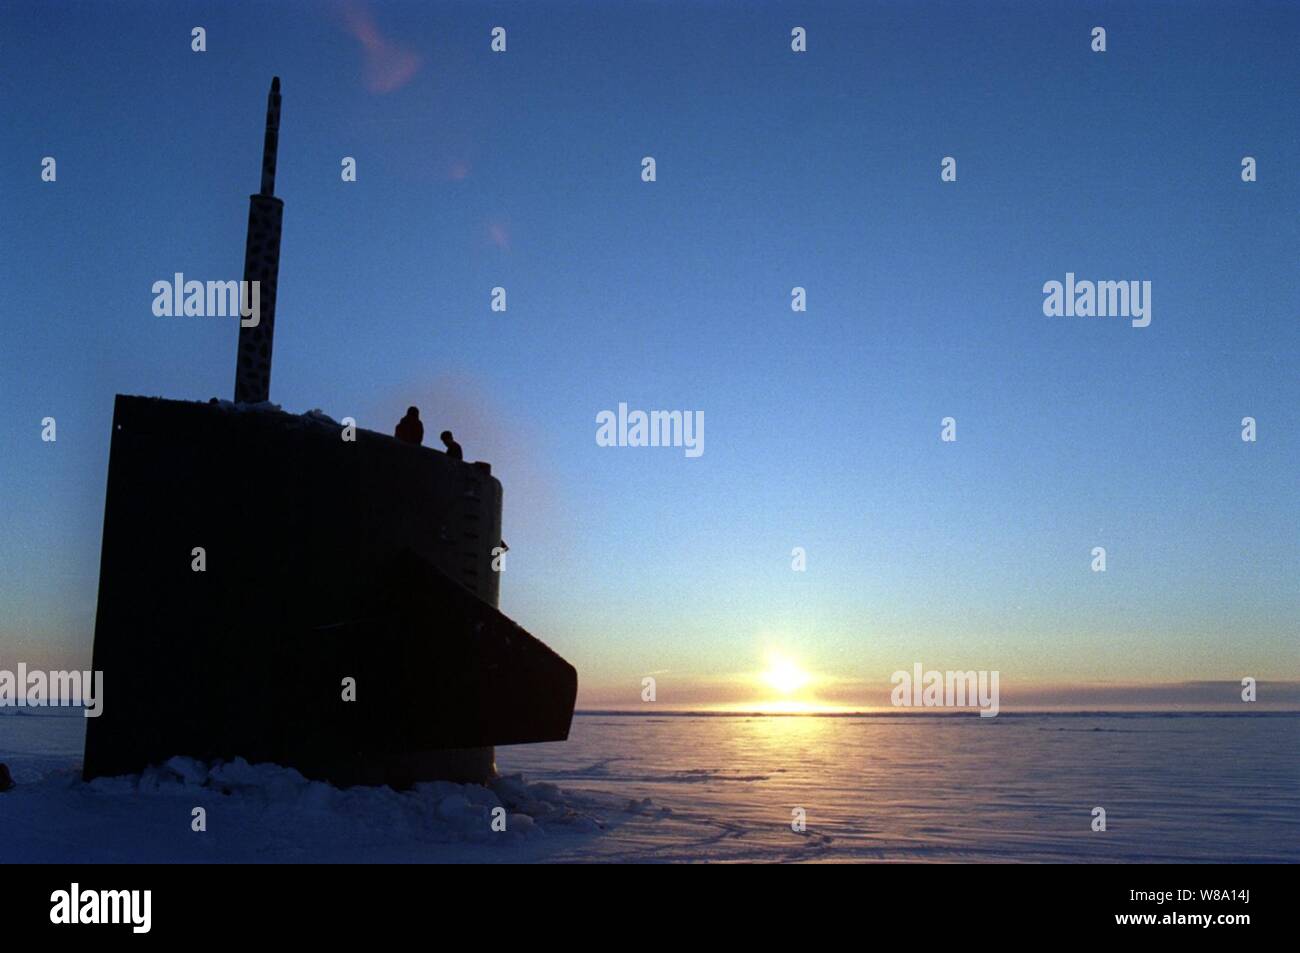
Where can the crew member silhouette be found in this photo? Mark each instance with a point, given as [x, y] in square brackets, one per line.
[409, 429]
[453, 448]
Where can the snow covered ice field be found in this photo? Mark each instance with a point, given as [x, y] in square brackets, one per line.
[707, 788]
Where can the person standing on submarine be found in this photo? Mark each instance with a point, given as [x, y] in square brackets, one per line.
[409, 429]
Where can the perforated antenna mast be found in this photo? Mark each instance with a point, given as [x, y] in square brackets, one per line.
[261, 265]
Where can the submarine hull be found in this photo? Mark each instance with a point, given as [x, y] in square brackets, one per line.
[273, 591]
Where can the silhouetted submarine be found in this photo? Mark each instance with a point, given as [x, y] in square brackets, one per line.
[326, 560]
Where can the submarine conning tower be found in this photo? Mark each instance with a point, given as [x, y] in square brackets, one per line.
[325, 561]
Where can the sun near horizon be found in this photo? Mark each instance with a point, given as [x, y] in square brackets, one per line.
[785, 687]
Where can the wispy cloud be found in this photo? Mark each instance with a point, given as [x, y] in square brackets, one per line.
[388, 65]
[499, 232]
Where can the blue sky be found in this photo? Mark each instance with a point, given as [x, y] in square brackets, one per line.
[820, 170]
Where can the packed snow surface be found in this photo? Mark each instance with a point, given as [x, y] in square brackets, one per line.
[1176, 788]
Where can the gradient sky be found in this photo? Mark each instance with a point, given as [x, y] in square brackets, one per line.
[774, 170]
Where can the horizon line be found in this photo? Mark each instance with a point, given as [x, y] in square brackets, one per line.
[938, 713]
